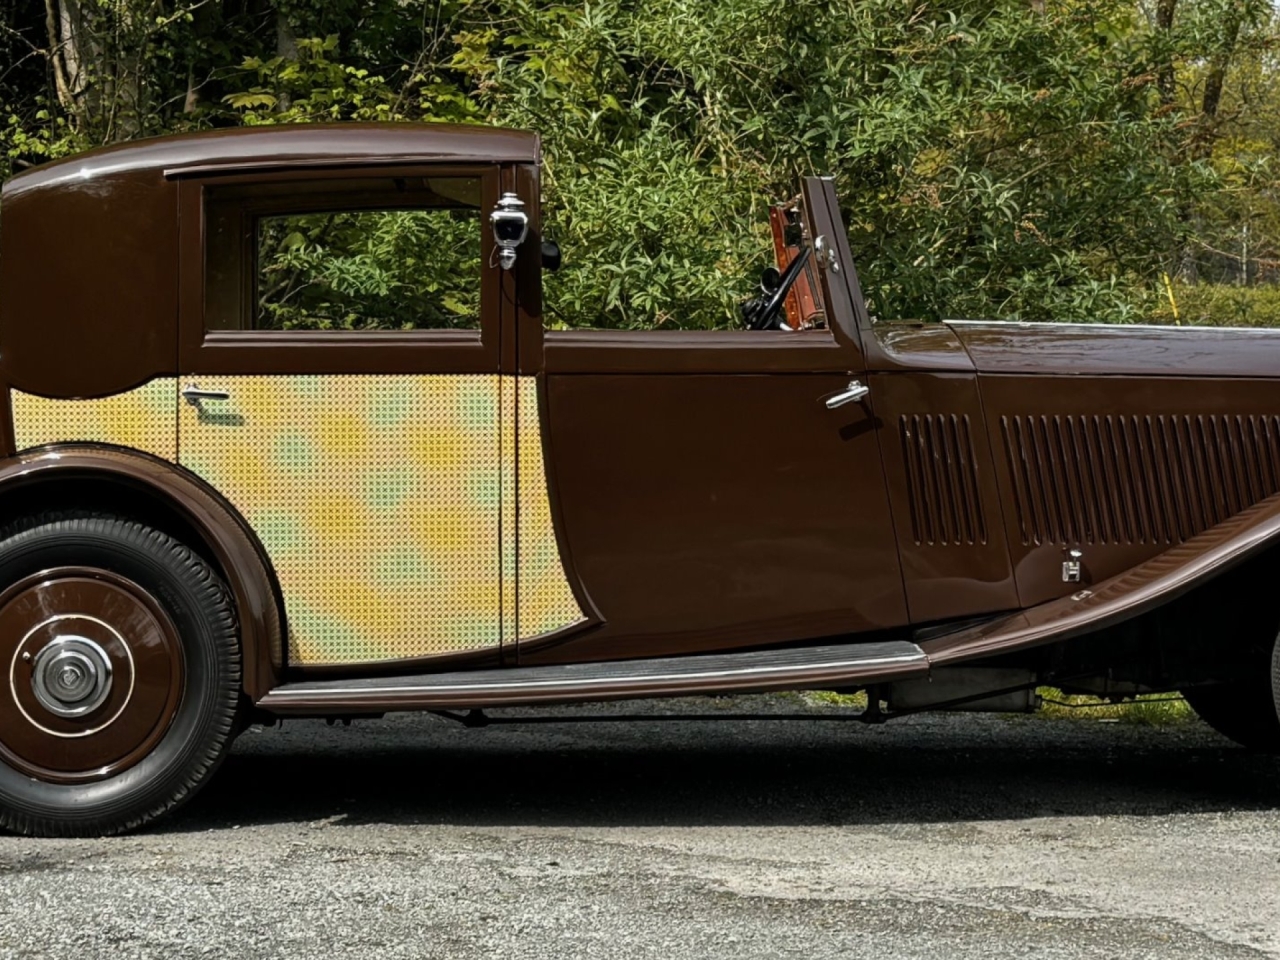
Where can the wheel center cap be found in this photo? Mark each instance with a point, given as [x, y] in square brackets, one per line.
[71, 676]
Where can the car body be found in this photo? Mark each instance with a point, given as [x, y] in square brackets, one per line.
[323, 520]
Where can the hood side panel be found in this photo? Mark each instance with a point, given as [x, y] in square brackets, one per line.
[1108, 350]
[1121, 468]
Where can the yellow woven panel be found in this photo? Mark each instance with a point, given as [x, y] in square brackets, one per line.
[507, 522]
[379, 500]
[145, 418]
[546, 603]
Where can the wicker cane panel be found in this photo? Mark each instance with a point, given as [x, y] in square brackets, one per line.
[546, 602]
[379, 500]
[508, 522]
[145, 418]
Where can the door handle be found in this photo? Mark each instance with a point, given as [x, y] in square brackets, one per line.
[193, 394]
[855, 391]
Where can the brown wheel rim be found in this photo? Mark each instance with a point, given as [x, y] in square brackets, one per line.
[92, 674]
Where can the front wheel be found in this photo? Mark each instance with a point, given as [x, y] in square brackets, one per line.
[121, 675]
[1246, 711]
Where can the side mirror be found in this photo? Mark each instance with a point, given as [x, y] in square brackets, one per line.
[550, 255]
[510, 226]
[770, 280]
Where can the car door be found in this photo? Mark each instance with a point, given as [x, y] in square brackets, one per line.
[341, 387]
[705, 495]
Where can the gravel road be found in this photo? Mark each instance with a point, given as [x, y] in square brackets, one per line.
[932, 837]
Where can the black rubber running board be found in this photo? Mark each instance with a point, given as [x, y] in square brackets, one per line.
[796, 668]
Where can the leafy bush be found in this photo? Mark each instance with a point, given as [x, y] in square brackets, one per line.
[394, 269]
[996, 158]
[993, 162]
[1220, 304]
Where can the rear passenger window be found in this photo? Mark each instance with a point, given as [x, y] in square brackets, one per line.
[373, 254]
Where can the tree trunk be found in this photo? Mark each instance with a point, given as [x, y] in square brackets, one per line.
[286, 47]
[83, 65]
[57, 58]
[1165, 11]
[1217, 75]
[128, 106]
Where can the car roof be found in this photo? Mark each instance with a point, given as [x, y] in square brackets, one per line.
[287, 145]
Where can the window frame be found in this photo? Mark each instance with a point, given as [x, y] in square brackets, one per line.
[228, 352]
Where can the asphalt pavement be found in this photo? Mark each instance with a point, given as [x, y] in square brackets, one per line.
[939, 836]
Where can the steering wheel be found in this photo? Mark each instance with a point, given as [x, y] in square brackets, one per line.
[762, 312]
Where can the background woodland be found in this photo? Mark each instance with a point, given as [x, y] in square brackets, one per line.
[1076, 160]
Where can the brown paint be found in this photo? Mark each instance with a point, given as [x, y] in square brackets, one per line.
[694, 351]
[147, 667]
[291, 148]
[947, 508]
[8, 445]
[92, 249]
[916, 347]
[1122, 468]
[683, 519]
[526, 320]
[88, 261]
[591, 614]
[824, 212]
[1111, 350]
[941, 479]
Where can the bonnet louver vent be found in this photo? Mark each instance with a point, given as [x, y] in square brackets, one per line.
[1149, 479]
[943, 479]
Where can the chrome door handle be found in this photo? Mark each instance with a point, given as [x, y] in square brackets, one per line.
[855, 391]
[193, 394]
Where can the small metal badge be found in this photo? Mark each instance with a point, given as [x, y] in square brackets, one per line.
[1071, 567]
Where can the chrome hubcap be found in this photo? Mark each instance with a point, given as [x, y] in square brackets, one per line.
[71, 676]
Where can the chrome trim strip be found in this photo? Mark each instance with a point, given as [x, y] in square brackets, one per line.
[1109, 326]
[285, 693]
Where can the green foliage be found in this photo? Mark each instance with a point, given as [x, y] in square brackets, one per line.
[48, 138]
[654, 239]
[1220, 304]
[315, 86]
[390, 270]
[994, 161]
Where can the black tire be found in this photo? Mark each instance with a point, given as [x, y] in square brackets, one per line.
[185, 745]
[1247, 712]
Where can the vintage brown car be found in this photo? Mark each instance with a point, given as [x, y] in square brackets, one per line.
[241, 483]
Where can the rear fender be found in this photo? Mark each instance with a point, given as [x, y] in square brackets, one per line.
[70, 475]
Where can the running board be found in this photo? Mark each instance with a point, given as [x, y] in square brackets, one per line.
[797, 668]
